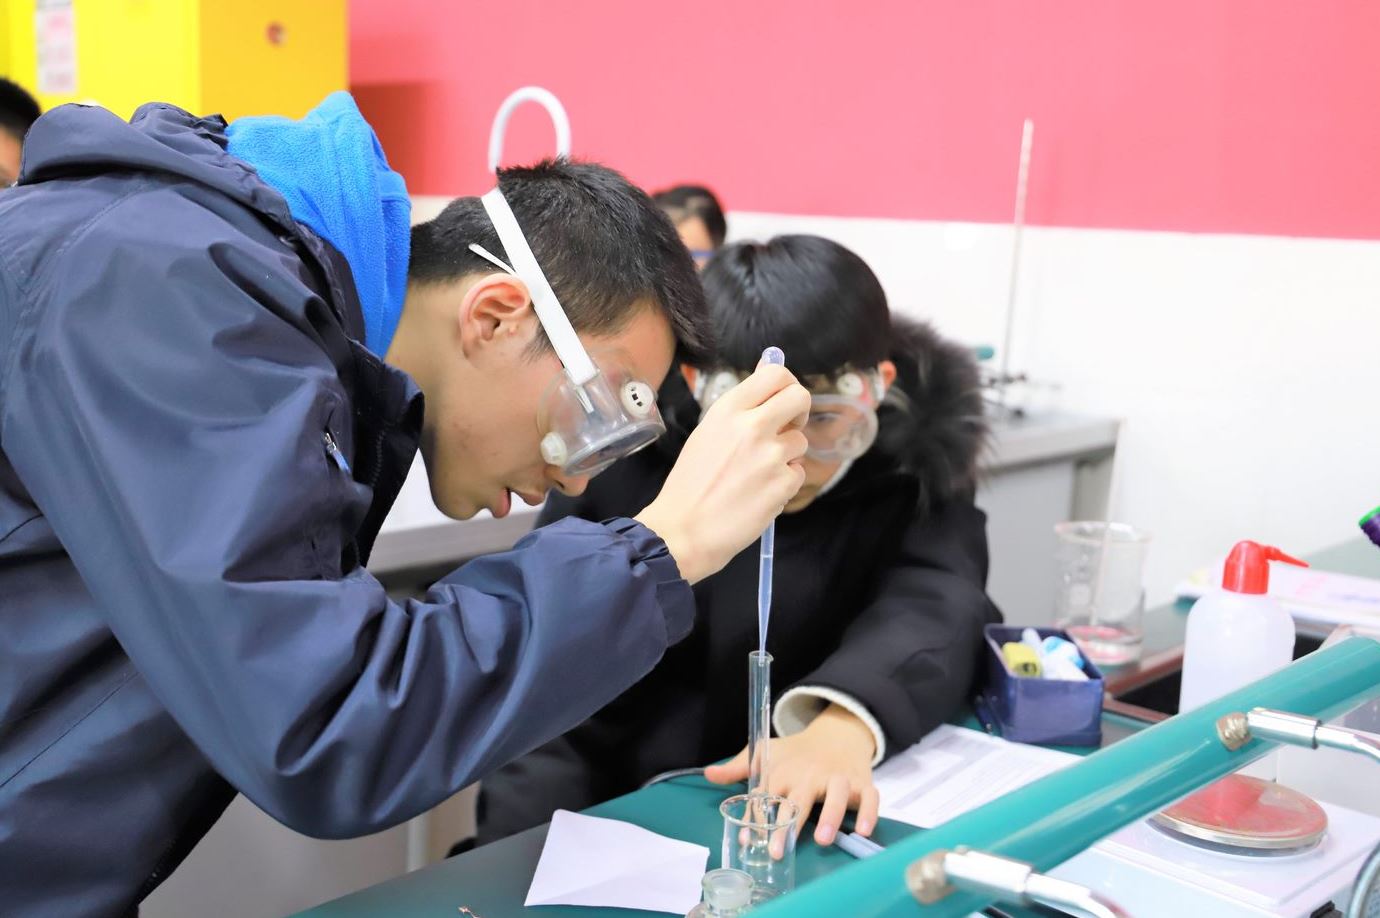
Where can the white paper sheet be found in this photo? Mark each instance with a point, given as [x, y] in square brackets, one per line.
[603, 862]
[954, 770]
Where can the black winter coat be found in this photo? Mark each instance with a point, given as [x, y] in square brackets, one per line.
[878, 593]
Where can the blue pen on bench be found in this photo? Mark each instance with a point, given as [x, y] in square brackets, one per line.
[857, 845]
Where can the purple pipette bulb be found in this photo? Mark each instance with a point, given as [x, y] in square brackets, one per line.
[1370, 525]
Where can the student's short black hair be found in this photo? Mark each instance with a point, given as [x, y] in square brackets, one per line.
[18, 109]
[823, 306]
[686, 201]
[602, 243]
[809, 296]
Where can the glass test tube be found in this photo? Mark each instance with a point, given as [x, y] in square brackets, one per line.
[759, 720]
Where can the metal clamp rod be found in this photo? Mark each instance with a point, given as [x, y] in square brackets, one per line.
[1001, 878]
[1237, 729]
[1367, 744]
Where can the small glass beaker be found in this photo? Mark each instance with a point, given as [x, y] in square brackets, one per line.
[1101, 598]
[727, 894]
[759, 839]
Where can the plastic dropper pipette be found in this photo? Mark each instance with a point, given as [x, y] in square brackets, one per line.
[772, 355]
[759, 663]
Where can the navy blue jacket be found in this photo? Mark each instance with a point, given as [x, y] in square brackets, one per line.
[183, 610]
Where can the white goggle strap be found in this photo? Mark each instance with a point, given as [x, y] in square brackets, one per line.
[578, 366]
[547, 100]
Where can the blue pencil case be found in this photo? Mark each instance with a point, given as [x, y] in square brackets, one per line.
[1053, 712]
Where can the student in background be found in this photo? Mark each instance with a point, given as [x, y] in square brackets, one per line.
[697, 216]
[881, 559]
[699, 219]
[18, 110]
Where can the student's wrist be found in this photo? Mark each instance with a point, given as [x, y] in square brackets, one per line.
[678, 544]
[843, 726]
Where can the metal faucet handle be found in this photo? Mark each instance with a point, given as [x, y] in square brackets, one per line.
[1005, 879]
[1237, 729]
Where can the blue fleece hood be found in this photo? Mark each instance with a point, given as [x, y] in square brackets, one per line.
[331, 170]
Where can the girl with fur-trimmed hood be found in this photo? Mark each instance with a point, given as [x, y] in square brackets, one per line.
[881, 559]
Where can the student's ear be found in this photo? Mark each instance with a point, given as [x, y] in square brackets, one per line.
[887, 369]
[495, 311]
[691, 375]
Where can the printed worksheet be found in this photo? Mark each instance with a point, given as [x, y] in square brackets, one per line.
[954, 770]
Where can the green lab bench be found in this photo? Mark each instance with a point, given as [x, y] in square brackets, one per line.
[492, 881]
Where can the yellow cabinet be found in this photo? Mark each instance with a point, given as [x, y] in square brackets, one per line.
[233, 57]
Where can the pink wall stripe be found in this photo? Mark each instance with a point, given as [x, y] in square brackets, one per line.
[1253, 116]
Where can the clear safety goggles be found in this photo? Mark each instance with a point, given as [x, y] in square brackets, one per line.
[591, 416]
[843, 409]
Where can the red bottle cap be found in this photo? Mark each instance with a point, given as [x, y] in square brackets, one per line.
[1248, 567]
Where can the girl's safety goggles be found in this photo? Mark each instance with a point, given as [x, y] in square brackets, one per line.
[843, 409]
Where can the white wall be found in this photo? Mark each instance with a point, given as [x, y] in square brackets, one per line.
[249, 866]
[1243, 366]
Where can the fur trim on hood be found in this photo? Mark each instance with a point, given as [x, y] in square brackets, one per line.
[931, 422]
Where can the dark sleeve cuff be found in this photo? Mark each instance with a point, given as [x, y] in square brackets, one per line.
[674, 595]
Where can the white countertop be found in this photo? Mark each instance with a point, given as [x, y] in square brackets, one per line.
[1047, 438]
[416, 534]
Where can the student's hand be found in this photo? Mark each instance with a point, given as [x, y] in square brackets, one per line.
[830, 760]
[735, 474]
